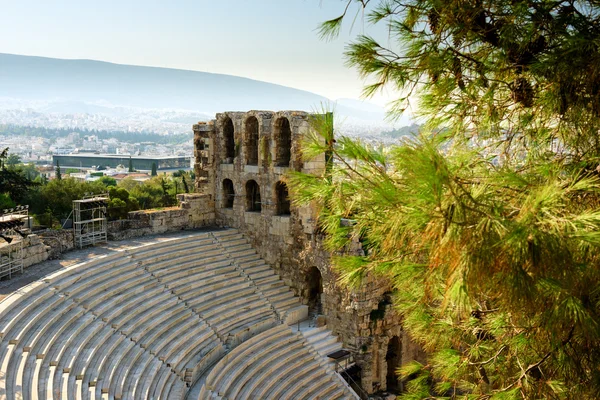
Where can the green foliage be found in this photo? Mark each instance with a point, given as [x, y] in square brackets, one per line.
[108, 181]
[6, 201]
[153, 173]
[184, 177]
[14, 181]
[487, 263]
[487, 223]
[13, 160]
[45, 219]
[121, 203]
[131, 169]
[58, 174]
[58, 195]
[185, 184]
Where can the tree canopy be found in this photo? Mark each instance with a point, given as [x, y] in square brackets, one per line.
[14, 183]
[487, 224]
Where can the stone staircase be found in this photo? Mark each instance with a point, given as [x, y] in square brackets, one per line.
[148, 321]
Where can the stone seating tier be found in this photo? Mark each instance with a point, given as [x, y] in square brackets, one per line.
[149, 321]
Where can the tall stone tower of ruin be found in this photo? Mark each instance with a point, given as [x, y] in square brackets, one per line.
[242, 163]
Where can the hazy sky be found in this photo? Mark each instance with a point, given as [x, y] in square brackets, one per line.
[269, 40]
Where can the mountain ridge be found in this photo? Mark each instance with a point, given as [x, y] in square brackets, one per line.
[92, 81]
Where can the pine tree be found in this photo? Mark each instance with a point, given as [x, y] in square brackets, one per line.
[185, 184]
[13, 182]
[58, 174]
[153, 173]
[487, 224]
[131, 165]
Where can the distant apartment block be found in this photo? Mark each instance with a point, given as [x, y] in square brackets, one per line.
[140, 163]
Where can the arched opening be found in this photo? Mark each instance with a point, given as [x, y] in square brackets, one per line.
[283, 140]
[251, 141]
[393, 359]
[228, 135]
[253, 203]
[228, 193]
[314, 282]
[283, 200]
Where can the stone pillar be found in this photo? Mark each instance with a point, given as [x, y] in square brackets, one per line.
[204, 151]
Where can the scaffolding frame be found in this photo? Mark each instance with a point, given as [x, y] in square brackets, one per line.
[11, 249]
[89, 220]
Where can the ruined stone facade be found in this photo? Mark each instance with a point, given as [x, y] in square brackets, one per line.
[242, 163]
[34, 250]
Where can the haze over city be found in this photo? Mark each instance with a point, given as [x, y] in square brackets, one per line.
[267, 40]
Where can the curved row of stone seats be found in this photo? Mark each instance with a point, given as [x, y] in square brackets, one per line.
[214, 289]
[276, 364]
[104, 328]
[243, 255]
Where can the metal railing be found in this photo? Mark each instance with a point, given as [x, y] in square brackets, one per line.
[354, 385]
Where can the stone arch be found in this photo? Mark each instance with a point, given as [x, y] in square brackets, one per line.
[228, 193]
[282, 199]
[251, 141]
[283, 142]
[228, 141]
[393, 358]
[314, 284]
[253, 203]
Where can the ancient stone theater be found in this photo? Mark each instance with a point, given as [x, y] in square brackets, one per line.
[229, 295]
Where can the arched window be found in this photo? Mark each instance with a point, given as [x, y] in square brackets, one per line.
[228, 193]
[229, 141]
[283, 140]
[282, 201]
[253, 203]
[251, 141]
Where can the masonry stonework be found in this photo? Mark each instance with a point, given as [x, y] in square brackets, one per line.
[242, 163]
[34, 250]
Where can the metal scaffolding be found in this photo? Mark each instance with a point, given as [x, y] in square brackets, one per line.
[89, 220]
[12, 225]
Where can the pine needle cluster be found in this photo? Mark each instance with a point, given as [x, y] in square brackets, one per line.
[488, 224]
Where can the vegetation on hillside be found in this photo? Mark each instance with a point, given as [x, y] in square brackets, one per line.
[50, 202]
[121, 136]
[489, 229]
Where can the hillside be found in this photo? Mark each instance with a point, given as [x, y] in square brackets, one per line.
[76, 83]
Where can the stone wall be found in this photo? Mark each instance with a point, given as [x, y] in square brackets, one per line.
[194, 211]
[34, 250]
[58, 242]
[227, 164]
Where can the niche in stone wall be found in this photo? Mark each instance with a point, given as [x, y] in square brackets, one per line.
[282, 200]
[253, 203]
[393, 359]
[314, 283]
[283, 142]
[228, 193]
[251, 141]
[229, 141]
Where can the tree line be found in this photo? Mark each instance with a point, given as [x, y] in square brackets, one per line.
[50, 201]
[121, 136]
